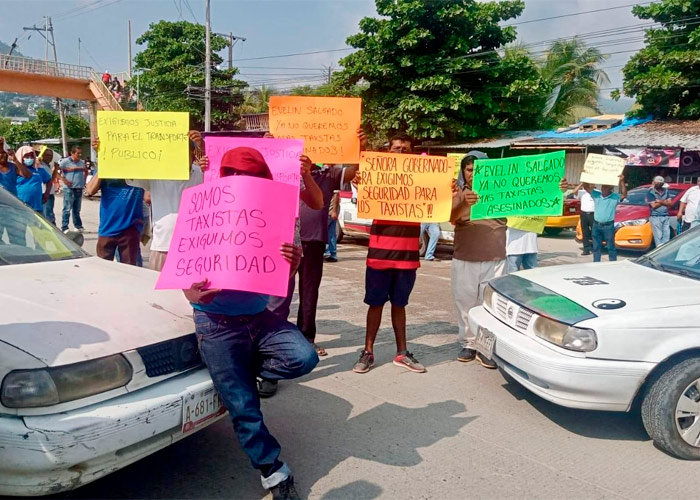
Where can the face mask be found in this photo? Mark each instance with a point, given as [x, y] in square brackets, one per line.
[29, 162]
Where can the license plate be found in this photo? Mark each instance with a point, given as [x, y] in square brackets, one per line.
[572, 210]
[200, 407]
[485, 342]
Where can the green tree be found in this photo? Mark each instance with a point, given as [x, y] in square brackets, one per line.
[432, 69]
[664, 76]
[172, 78]
[572, 71]
[46, 125]
[258, 99]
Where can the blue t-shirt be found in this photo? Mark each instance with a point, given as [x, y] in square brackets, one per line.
[121, 207]
[31, 190]
[76, 178]
[235, 303]
[654, 195]
[8, 179]
[604, 206]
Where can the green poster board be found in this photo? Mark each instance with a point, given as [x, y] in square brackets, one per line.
[522, 185]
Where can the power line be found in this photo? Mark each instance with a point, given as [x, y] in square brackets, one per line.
[187, 4]
[575, 14]
[297, 54]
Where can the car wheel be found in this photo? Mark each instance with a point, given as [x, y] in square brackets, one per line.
[339, 233]
[671, 410]
[553, 231]
[424, 239]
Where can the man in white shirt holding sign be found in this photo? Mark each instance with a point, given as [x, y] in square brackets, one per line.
[583, 194]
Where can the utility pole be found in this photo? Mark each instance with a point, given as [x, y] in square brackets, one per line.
[207, 69]
[230, 50]
[129, 50]
[329, 73]
[48, 28]
[78, 51]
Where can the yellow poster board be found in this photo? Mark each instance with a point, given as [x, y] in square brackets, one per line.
[602, 169]
[407, 188]
[458, 161]
[532, 224]
[327, 125]
[143, 145]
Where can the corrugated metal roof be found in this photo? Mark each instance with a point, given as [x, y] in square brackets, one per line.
[501, 141]
[578, 132]
[654, 134]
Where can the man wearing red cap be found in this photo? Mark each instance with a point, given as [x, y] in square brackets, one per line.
[239, 340]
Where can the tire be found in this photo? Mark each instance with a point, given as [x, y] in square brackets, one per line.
[679, 383]
[339, 233]
[553, 231]
[424, 239]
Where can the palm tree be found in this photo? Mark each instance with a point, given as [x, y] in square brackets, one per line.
[258, 99]
[571, 69]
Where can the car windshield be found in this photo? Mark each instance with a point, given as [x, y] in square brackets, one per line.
[27, 237]
[638, 196]
[679, 256]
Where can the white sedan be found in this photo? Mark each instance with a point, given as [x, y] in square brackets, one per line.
[98, 369]
[606, 336]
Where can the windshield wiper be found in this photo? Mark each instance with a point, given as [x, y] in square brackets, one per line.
[646, 260]
[681, 272]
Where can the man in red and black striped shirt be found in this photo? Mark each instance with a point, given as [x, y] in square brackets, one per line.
[392, 261]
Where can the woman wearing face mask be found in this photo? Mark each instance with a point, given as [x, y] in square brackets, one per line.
[31, 190]
[10, 172]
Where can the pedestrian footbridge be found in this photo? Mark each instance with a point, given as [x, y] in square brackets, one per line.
[67, 81]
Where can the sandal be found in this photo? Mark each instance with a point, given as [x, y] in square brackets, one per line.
[319, 350]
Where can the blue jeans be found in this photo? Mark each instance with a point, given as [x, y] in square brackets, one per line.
[48, 210]
[237, 349]
[434, 235]
[332, 247]
[661, 228]
[526, 260]
[604, 232]
[72, 201]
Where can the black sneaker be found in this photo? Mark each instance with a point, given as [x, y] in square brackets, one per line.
[585, 252]
[486, 363]
[331, 259]
[285, 490]
[466, 355]
[267, 388]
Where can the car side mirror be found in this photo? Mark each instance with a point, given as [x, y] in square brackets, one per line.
[76, 237]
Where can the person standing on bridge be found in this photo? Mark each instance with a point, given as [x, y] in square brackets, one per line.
[73, 173]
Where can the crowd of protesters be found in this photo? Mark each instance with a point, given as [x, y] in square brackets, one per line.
[246, 339]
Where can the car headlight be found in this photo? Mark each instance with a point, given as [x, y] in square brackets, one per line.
[51, 386]
[633, 222]
[488, 297]
[568, 337]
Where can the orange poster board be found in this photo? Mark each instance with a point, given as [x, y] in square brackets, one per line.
[407, 188]
[328, 125]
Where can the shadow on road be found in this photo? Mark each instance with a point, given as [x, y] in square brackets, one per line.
[588, 423]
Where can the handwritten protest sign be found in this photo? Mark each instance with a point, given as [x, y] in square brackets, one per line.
[328, 125]
[143, 145]
[531, 224]
[602, 169]
[409, 188]
[458, 161]
[281, 155]
[522, 185]
[230, 231]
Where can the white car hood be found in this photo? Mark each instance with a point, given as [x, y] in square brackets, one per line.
[74, 310]
[641, 288]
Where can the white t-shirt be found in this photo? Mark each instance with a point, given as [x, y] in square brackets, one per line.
[519, 242]
[692, 198]
[48, 170]
[587, 204]
[165, 201]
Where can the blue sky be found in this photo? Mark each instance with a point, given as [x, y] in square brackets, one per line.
[273, 28]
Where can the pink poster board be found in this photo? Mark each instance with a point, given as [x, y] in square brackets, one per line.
[281, 155]
[230, 231]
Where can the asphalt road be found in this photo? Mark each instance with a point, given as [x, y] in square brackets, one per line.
[458, 431]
